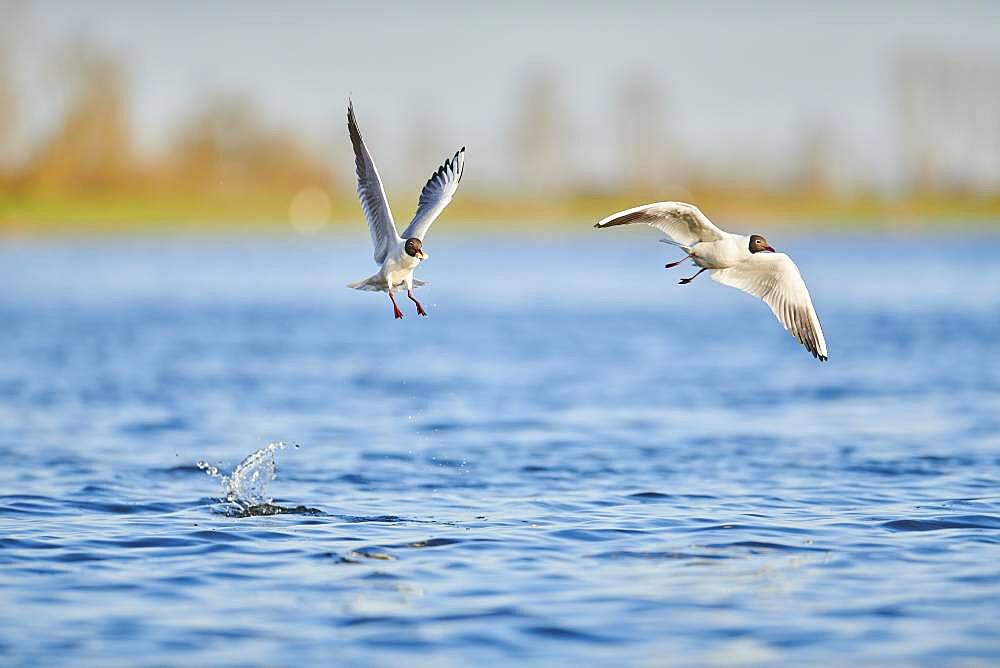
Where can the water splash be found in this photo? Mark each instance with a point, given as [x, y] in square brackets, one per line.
[247, 486]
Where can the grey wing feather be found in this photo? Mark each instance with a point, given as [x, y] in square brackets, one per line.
[774, 278]
[436, 195]
[371, 193]
[682, 222]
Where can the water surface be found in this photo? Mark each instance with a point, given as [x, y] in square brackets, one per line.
[572, 459]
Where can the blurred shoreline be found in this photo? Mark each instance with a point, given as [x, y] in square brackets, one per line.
[79, 156]
[27, 217]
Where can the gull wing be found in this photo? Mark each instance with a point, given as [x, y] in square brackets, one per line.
[682, 222]
[436, 195]
[774, 278]
[371, 193]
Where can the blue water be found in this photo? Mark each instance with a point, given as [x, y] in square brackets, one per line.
[573, 459]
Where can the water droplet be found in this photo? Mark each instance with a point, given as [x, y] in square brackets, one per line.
[247, 485]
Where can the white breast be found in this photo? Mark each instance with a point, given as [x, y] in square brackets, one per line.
[721, 254]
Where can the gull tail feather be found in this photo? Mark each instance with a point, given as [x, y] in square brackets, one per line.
[674, 243]
[376, 283]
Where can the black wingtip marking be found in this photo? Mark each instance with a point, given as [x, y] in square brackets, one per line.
[352, 122]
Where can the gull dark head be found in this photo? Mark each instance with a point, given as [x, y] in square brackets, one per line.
[414, 248]
[758, 244]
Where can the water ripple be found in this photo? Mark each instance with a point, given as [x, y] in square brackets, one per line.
[937, 524]
[542, 472]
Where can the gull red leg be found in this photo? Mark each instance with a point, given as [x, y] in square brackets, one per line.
[395, 306]
[420, 309]
[671, 265]
[685, 281]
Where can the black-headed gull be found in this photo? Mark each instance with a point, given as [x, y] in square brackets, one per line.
[399, 255]
[745, 262]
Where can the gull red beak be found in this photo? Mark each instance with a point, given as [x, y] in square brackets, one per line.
[768, 248]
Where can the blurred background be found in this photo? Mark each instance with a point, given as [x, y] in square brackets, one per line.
[159, 116]
[573, 460]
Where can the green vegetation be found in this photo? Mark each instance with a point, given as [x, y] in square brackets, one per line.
[269, 212]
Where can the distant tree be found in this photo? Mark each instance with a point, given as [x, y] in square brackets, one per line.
[946, 113]
[91, 148]
[8, 108]
[647, 162]
[814, 171]
[226, 146]
[540, 135]
[424, 150]
[11, 29]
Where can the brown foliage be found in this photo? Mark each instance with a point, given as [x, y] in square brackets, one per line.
[91, 149]
[226, 147]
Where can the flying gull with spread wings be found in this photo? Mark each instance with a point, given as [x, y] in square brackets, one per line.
[399, 255]
[744, 262]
